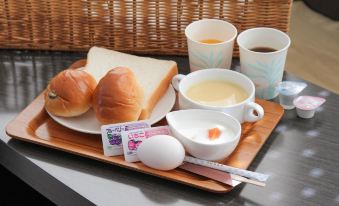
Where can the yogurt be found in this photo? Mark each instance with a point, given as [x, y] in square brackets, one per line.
[200, 134]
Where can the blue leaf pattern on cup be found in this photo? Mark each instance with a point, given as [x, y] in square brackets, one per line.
[204, 61]
[266, 77]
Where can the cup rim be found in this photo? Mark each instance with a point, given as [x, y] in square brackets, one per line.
[216, 20]
[264, 28]
[224, 70]
[237, 132]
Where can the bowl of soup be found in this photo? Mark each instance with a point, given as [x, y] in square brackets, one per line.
[205, 134]
[219, 89]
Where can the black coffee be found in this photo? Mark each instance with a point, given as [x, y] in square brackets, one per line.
[263, 49]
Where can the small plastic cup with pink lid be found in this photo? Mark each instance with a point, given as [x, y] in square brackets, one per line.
[306, 105]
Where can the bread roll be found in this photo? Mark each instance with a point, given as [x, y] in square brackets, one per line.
[70, 93]
[118, 97]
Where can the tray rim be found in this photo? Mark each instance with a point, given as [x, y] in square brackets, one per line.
[19, 132]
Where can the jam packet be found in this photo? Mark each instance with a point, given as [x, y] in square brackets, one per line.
[288, 91]
[132, 139]
[306, 105]
[111, 136]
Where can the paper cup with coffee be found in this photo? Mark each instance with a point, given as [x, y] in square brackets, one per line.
[210, 44]
[262, 58]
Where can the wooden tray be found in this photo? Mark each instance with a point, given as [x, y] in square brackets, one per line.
[34, 125]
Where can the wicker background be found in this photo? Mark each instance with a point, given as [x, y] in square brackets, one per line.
[135, 26]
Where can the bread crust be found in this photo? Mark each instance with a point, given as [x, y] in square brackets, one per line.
[159, 92]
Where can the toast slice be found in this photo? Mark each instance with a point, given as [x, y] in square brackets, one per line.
[153, 75]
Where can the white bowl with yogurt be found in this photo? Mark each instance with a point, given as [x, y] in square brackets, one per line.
[192, 128]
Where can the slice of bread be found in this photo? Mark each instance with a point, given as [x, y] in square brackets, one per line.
[153, 75]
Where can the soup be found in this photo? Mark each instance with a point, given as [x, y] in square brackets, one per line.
[216, 93]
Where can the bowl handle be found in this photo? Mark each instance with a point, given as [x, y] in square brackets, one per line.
[249, 116]
[176, 81]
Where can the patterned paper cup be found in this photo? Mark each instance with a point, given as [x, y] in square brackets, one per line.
[265, 69]
[205, 55]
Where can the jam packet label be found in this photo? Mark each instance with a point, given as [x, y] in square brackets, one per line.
[291, 87]
[111, 136]
[132, 139]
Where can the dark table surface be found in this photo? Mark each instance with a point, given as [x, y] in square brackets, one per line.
[301, 155]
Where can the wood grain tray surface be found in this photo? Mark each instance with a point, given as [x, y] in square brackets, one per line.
[34, 125]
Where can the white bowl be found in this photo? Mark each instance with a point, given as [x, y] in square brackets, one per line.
[191, 118]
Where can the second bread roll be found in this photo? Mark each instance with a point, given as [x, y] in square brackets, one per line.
[118, 97]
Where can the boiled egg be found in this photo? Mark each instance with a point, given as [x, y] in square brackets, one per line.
[162, 152]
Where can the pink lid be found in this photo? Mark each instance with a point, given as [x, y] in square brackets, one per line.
[308, 102]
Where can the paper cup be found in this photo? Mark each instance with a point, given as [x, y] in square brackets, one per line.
[264, 69]
[203, 55]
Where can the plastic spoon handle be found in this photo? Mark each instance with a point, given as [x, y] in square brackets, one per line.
[244, 179]
[232, 170]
